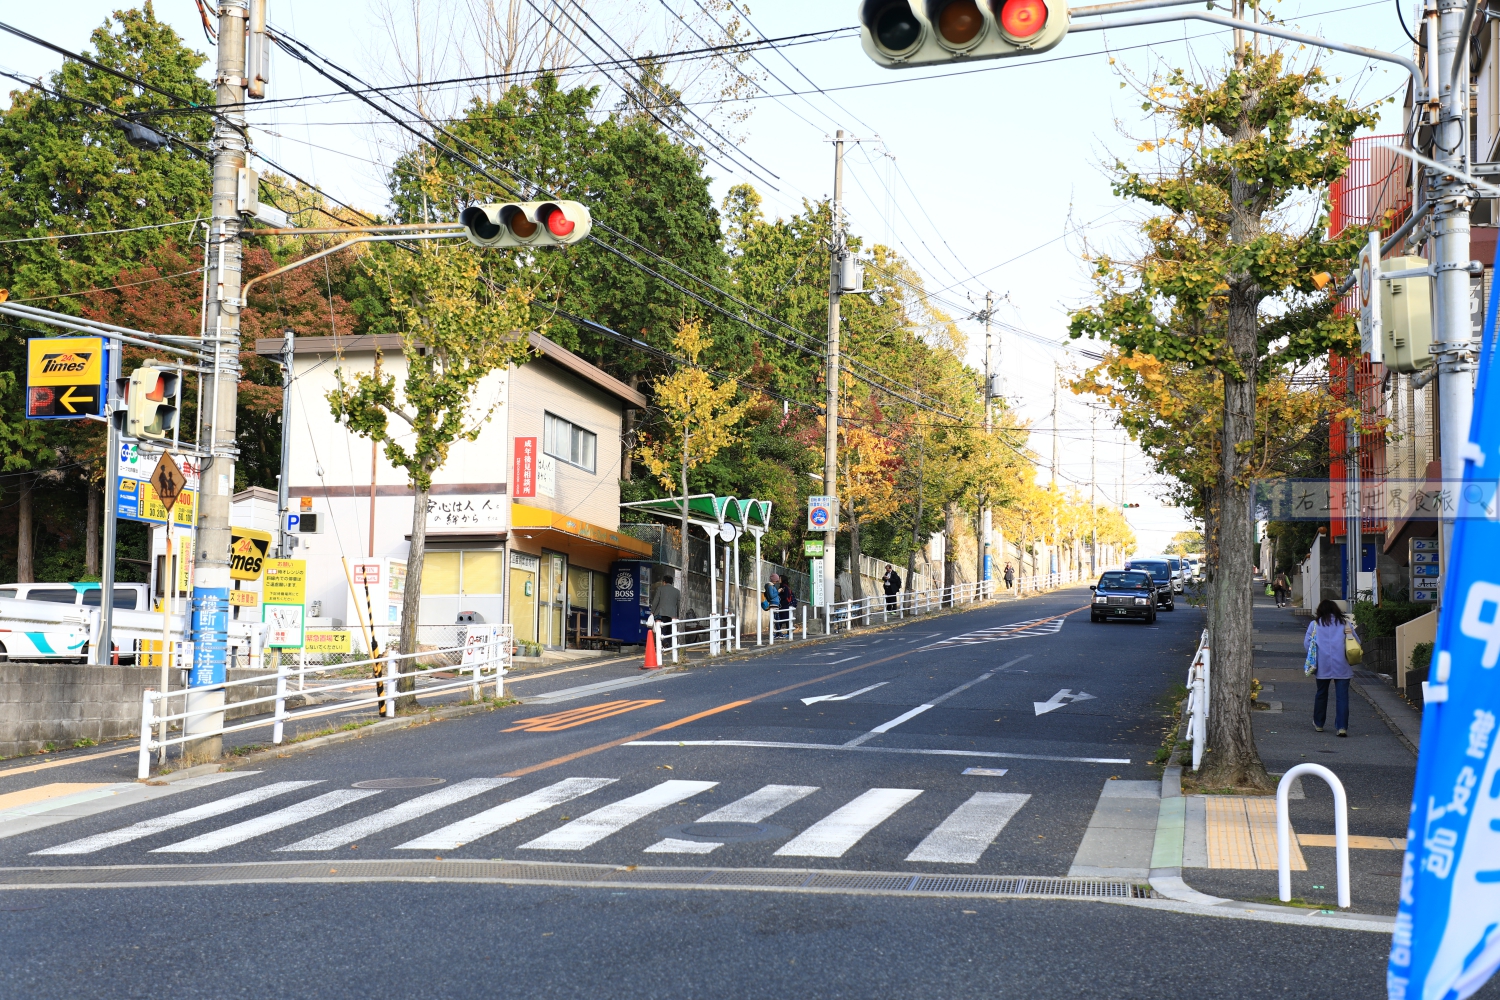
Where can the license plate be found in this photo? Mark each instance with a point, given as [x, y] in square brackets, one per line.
[1121, 611]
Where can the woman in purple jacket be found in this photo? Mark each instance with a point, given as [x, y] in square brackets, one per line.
[1327, 630]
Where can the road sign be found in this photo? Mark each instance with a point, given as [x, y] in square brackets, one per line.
[65, 378]
[822, 513]
[247, 552]
[812, 547]
[286, 582]
[1426, 570]
[167, 480]
[284, 624]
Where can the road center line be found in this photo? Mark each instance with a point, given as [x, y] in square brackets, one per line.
[611, 744]
[886, 727]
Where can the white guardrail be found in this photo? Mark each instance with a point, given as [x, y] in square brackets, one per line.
[1198, 700]
[720, 633]
[484, 656]
[880, 609]
[1284, 830]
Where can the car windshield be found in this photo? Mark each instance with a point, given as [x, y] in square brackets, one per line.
[1159, 570]
[1124, 581]
[1176, 565]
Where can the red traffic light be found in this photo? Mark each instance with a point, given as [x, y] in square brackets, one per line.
[1020, 19]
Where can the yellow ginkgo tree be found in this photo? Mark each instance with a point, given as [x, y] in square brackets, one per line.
[699, 419]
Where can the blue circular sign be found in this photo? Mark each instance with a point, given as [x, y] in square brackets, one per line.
[819, 517]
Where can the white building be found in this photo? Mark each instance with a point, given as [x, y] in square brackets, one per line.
[522, 523]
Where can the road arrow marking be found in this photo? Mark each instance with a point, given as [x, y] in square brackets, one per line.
[843, 697]
[68, 399]
[1063, 697]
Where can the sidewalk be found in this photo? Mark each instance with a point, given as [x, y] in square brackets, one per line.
[1229, 846]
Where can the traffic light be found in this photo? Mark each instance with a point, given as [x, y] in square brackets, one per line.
[150, 403]
[527, 223]
[1127, 506]
[901, 33]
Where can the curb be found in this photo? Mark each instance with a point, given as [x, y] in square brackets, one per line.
[1384, 717]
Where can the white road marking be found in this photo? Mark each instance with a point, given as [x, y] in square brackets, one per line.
[841, 829]
[886, 727]
[1002, 633]
[483, 824]
[1063, 697]
[987, 772]
[588, 830]
[969, 830]
[842, 697]
[752, 808]
[160, 824]
[863, 749]
[240, 832]
[405, 812]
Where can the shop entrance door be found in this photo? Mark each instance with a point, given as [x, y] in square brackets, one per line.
[554, 601]
[523, 594]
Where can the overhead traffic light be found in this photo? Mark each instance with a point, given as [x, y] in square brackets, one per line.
[527, 223]
[1127, 506]
[901, 33]
[150, 403]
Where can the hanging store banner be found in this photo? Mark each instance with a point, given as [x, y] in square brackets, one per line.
[1446, 943]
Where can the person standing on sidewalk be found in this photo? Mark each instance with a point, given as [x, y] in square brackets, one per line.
[665, 607]
[891, 582]
[1329, 630]
[1010, 575]
[788, 605]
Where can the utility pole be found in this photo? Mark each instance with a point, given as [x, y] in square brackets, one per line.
[1093, 494]
[210, 614]
[987, 518]
[831, 422]
[283, 486]
[1452, 198]
[1052, 562]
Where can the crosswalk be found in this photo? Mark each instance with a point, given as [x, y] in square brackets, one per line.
[961, 837]
[1002, 633]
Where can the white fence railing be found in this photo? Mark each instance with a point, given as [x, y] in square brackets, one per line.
[719, 633]
[484, 657]
[1197, 700]
[1037, 582]
[880, 609]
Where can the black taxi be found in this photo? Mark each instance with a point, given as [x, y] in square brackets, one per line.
[1124, 595]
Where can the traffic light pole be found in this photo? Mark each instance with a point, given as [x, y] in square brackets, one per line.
[211, 583]
[831, 420]
[104, 654]
[987, 517]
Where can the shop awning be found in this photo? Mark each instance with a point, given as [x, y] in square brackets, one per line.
[552, 528]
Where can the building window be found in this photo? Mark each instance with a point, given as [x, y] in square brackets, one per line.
[569, 442]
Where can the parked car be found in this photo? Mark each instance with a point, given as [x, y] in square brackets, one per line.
[1161, 574]
[128, 596]
[1124, 595]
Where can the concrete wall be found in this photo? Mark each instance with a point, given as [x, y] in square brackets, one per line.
[44, 703]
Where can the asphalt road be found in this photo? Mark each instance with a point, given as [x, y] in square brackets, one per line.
[843, 756]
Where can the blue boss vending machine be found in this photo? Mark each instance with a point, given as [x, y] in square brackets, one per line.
[630, 601]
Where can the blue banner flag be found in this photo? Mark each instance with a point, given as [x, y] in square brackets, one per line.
[1447, 938]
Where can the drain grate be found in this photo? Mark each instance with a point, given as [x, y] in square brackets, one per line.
[462, 870]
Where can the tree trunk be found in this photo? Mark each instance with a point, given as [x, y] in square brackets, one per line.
[25, 567]
[411, 600]
[916, 525]
[91, 534]
[950, 561]
[682, 584]
[1233, 759]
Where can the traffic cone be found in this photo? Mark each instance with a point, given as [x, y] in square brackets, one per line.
[653, 661]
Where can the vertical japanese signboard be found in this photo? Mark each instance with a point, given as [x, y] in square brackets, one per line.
[523, 482]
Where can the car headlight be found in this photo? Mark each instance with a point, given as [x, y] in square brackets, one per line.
[1100, 599]
[1143, 600]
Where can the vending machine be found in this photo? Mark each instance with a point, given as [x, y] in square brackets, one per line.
[630, 601]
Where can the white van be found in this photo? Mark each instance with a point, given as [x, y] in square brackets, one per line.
[128, 596]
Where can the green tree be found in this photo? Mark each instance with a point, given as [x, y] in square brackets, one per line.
[455, 331]
[1221, 258]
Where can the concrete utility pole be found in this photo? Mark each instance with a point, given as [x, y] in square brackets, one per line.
[1448, 55]
[839, 250]
[283, 485]
[987, 518]
[210, 615]
[1093, 494]
[1053, 564]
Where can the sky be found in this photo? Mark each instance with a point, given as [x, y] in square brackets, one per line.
[992, 176]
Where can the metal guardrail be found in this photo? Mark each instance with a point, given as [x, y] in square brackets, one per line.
[719, 633]
[485, 656]
[1198, 700]
[1284, 830]
[880, 609]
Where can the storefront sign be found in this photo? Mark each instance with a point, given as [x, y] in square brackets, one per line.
[484, 511]
[523, 482]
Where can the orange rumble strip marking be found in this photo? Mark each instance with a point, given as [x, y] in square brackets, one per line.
[555, 761]
[578, 716]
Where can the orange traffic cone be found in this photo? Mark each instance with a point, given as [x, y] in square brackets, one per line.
[652, 661]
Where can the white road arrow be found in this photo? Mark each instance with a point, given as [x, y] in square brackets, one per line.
[1063, 697]
[842, 697]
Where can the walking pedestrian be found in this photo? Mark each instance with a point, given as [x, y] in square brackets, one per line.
[1282, 587]
[892, 584]
[665, 607]
[788, 604]
[1010, 575]
[1330, 630]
